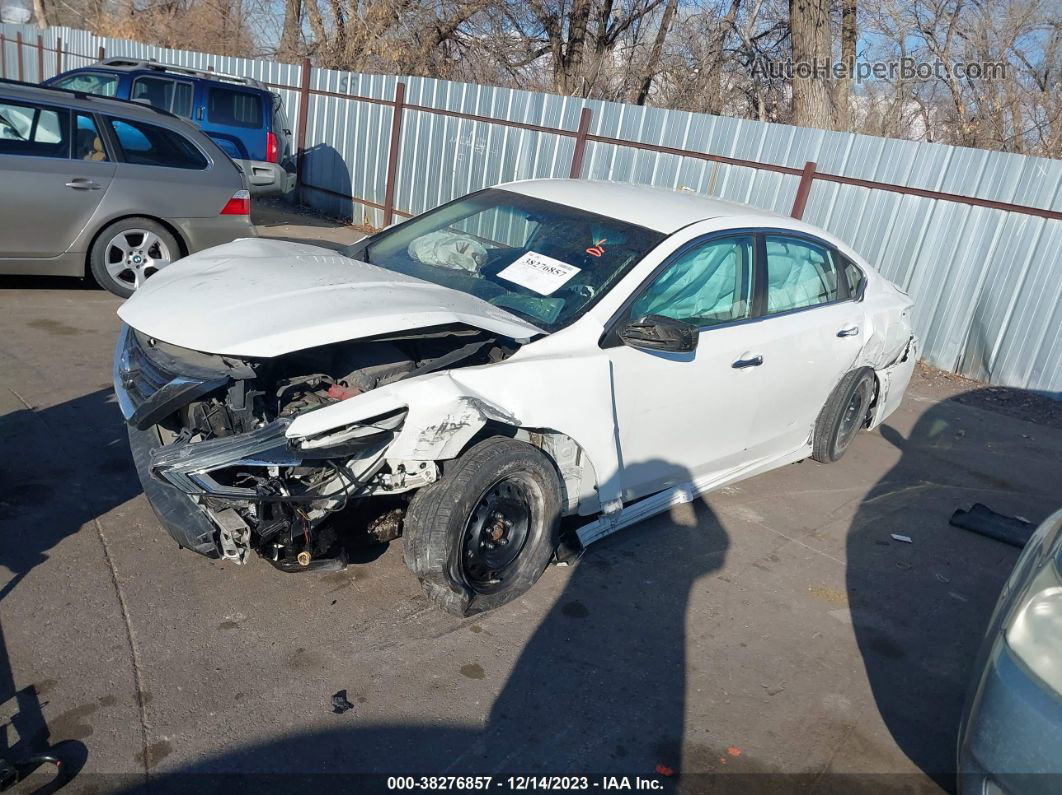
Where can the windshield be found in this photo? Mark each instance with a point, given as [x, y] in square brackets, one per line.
[543, 261]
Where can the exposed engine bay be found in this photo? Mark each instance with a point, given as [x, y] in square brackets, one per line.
[220, 424]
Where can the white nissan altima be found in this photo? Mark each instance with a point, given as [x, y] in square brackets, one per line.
[501, 380]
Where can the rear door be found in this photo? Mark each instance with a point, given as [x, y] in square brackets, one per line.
[164, 169]
[54, 170]
[810, 335]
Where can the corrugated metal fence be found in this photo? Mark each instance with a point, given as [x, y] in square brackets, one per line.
[974, 236]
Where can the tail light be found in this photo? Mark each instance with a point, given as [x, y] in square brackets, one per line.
[272, 151]
[239, 204]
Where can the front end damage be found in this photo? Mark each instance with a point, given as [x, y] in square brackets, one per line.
[210, 440]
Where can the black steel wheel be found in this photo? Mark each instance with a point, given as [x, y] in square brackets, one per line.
[484, 532]
[496, 533]
[844, 414]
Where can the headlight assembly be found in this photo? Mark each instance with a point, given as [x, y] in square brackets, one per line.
[349, 439]
[1035, 631]
[188, 466]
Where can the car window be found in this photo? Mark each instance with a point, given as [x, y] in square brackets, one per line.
[98, 83]
[280, 119]
[33, 130]
[543, 261]
[149, 145]
[799, 274]
[709, 284]
[182, 99]
[234, 108]
[853, 277]
[162, 92]
[88, 145]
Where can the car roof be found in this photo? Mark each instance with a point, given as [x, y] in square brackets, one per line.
[88, 102]
[661, 209]
[118, 64]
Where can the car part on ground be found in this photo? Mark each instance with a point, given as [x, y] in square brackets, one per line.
[983, 520]
[81, 196]
[468, 389]
[1011, 729]
[243, 117]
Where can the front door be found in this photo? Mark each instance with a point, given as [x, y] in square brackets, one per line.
[54, 172]
[685, 415]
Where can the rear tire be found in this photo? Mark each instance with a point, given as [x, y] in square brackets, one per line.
[483, 533]
[843, 415]
[129, 251]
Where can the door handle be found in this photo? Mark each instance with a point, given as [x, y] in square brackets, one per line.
[849, 331]
[751, 361]
[80, 183]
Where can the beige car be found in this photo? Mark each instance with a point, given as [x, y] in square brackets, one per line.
[108, 187]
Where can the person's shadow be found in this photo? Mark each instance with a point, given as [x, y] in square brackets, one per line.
[48, 491]
[920, 609]
[600, 687]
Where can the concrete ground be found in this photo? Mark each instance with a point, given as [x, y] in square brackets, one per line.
[774, 629]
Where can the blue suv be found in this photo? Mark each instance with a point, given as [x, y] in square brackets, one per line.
[244, 118]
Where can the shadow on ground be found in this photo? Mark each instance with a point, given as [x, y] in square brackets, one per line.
[599, 687]
[45, 496]
[919, 610]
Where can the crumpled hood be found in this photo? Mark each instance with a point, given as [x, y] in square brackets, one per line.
[262, 298]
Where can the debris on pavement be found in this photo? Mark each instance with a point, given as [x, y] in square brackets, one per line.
[984, 521]
[664, 770]
[340, 704]
[904, 539]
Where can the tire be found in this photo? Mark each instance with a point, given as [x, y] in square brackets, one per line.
[128, 251]
[843, 415]
[483, 533]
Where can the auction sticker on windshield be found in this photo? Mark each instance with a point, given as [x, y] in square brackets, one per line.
[538, 272]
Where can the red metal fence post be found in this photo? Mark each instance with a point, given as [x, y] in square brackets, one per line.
[40, 58]
[18, 52]
[102, 53]
[576, 171]
[304, 113]
[58, 54]
[392, 155]
[801, 200]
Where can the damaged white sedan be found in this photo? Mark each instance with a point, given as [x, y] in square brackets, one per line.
[501, 380]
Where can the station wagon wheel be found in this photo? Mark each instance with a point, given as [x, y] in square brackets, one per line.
[130, 251]
[484, 532]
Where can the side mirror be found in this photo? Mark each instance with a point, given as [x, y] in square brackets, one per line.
[659, 333]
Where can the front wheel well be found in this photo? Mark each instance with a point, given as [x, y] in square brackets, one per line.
[574, 468]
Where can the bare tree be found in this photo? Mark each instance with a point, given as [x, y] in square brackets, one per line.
[842, 93]
[809, 26]
[291, 38]
[39, 14]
